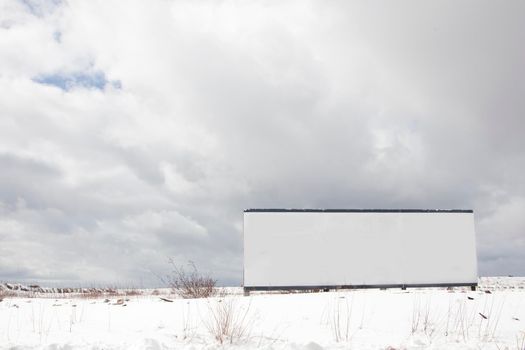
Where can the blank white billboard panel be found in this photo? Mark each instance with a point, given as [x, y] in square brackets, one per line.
[290, 248]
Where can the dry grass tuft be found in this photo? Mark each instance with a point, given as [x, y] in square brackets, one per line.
[340, 318]
[520, 341]
[228, 321]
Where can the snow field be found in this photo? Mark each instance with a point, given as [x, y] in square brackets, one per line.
[361, 319]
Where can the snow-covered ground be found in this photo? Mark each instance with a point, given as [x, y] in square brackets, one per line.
[359, 319]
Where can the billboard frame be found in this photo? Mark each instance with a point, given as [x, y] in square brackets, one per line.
[248, 289]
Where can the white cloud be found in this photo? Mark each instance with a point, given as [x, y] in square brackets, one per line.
[196, 110]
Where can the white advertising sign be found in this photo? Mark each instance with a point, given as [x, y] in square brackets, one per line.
[358, 248]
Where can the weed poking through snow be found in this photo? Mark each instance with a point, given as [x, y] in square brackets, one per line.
[228, 320]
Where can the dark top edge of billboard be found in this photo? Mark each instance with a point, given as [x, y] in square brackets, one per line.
[275, 210]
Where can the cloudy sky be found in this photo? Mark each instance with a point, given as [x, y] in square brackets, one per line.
[135, 131]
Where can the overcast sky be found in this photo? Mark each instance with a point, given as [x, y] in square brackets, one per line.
[135, 131]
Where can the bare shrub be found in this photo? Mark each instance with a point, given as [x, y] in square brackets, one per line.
[227, 321]
[93, 293]
[189, 326]
[132, 292]
[463, 321]
[190, 284]
[423, 320]
[461, 325]
[6, 294]
[520, 341]
[459, 320]
[490, 317]
[340, 316]
[416, 315]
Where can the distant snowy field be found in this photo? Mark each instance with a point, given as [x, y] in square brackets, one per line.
[358, 319]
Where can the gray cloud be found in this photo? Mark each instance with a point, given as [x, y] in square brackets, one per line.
[225, 106]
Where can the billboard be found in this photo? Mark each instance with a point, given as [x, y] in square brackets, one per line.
[316, 248]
